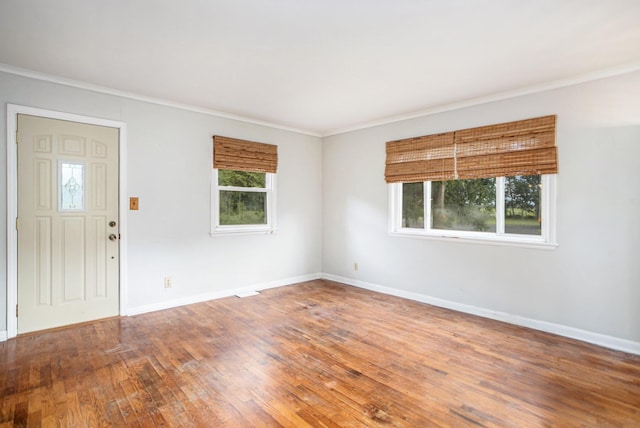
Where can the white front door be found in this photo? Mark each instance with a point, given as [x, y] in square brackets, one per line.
[68, 250]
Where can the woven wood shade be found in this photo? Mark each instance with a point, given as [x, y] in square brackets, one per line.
[241, 155]
[525, 147]
[420, 159]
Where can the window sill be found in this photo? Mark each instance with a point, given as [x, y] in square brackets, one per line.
[230, 231]
[488, 239]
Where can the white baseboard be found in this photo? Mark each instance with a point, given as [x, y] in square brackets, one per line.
[574, 333]
[219, 294]
[3, 335]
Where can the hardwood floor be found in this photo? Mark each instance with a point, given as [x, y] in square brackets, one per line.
[313, 354]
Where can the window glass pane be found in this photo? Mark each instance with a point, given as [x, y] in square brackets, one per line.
[71, 186]
[413, 205]
[241, 178]
[468, 205]
[522, 205]
[242, 207]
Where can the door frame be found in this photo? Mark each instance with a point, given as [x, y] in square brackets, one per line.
[12, 202]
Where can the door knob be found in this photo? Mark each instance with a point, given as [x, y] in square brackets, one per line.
[112, 237]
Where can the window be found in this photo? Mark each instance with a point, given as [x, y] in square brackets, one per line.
[510, 209]
[491, 183]
[243, 187]
[243, 201]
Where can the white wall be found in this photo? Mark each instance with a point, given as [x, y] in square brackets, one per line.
[169, 162]
[332, 208]
[590, 282]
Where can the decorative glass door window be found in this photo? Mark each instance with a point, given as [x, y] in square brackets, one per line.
[71, 186]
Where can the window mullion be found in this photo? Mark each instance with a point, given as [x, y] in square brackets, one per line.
[427, 205]
[500, 188]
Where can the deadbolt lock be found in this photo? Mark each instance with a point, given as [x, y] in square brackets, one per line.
[112, 224]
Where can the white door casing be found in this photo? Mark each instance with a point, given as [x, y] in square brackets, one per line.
[72, 271]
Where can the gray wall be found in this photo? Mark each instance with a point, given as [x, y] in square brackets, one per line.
[332, 208]
[169, 163]
[591, 281]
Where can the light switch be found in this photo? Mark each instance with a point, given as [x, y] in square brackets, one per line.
[133, 203]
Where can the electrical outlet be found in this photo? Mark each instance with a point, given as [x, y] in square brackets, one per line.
[168, 282]
[355, 266]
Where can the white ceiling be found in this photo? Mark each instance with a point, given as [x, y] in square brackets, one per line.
[321, 66]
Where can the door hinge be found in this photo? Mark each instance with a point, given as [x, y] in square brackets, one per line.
[16, 311]
[17, 223]
[16, 136]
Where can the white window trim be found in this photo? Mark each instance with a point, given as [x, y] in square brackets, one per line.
[547, 239]
[248, 229]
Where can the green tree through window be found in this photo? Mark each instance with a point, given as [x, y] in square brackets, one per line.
[509, 207]
[238, 206]
[464, 204]
[522, 204]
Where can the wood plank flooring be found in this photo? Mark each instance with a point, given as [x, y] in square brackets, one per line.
[316, 354]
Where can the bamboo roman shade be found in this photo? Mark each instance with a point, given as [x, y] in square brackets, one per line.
[525, 147]
[421, 159]
[241, 155]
